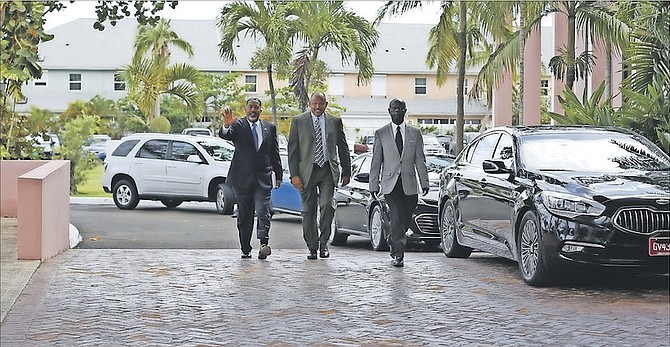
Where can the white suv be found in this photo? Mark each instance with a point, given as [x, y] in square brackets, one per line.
[169, 168]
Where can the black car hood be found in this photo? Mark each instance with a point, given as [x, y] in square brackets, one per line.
[653, 183]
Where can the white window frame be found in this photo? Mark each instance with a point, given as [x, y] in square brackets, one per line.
[118, 81]
[248, 85]
[72, 82]
[417, 85]
[545, 91]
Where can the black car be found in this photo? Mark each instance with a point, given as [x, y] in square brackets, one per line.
[548, 197]
[358, 213]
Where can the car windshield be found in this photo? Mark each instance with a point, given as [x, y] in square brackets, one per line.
[219, 149]
[431, 141]
[591, 151]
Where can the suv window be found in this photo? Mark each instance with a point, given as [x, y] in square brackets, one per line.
[181, 150]
[124, 148]
[153, 149]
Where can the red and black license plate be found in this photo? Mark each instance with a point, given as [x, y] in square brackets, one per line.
[659, 246]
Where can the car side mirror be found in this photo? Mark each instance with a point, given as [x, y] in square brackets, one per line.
[495, 167]
[363, 177]
[194, 158]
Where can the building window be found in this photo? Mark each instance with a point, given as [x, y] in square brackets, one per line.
[544, 87]
[465, 87]
[42, 81]
[336, 84]
[250, 85]
[378, 86]
[119, 83]
[75, 81]
[420, 86]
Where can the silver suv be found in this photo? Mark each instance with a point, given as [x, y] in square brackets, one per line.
[171, 169]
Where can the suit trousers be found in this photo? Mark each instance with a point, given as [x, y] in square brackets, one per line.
[401, 208]
[319, 193]
[252, 201]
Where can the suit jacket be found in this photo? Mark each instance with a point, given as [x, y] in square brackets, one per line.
[301, 147]
[250, 167]
[388, 164]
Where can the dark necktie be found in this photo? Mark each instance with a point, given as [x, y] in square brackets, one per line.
[254, 134]
[398, 140]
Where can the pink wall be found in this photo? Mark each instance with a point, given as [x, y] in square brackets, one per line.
[40, 199]
[10, 170]
[560, 40]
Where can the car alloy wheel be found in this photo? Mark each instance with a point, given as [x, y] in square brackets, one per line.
[125, 195]
[450, 246]
[377, 238]
[531, 258]
[224, 199]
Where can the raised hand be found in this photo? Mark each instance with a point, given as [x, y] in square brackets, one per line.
[227, 117]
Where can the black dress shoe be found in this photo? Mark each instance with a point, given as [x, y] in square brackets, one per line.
[246, 255]
[324, 253]
[312, 254]
[398, 261]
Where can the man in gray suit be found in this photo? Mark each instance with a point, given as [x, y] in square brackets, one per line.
[315, 142]
[397, 157]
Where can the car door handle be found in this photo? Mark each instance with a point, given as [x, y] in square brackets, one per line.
[483, 183]
[457, 177]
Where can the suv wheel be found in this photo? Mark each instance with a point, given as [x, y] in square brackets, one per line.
[377, 238]
[125, 195]
[224, 199]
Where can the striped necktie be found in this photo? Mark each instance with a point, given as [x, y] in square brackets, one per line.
[319, 157]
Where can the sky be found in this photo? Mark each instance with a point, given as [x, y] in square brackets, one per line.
[189, 9]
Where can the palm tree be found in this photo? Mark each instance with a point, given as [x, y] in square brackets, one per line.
[460, 31]
[329, 25]
[266, 19]
[157, 40]
[149, 76]
[149, 79]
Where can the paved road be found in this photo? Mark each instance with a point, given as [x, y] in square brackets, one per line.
[191, 226]
[211, 297]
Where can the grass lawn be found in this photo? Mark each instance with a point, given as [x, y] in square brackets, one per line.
[92, 187]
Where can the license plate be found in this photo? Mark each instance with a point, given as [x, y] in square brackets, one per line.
[659, 246]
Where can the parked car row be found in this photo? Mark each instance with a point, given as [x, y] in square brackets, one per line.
[547, 197]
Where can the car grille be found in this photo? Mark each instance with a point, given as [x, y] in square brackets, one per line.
[427, 223]
[642, 220]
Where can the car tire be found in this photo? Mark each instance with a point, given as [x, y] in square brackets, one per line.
[225, 199]
[448, 227]
[376, 229]
[171, 203]
[125, 195]
[337, 238]
[531, 252]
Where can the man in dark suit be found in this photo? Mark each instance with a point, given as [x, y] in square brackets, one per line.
[397, 158]
[256, 158]
[316, 141]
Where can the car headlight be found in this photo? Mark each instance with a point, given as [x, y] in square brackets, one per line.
[567, 205]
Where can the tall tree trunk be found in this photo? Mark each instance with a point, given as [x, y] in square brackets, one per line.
[460, 98]
[608, 72]
[522, 77]
[273, 100]
[570, 72]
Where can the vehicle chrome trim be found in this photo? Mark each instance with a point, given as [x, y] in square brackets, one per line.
[641, 220]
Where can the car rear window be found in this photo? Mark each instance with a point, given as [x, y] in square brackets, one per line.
[124, 148]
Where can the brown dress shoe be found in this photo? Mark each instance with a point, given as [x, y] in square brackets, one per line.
[264, 252]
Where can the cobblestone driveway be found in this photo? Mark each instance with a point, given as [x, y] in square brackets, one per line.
[355, 298]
